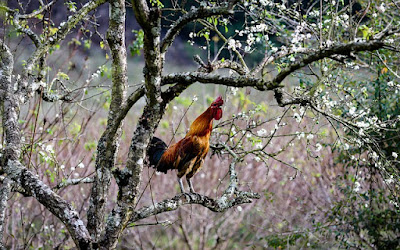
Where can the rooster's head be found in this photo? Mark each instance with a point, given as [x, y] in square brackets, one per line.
[216, 108]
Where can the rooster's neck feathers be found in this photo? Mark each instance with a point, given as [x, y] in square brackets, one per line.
[202, 126]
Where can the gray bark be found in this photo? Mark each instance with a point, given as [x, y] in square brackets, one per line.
[216, 205]
[53, 202]
[5, 189]
[107, 147]
[129, 178]
[219, 205]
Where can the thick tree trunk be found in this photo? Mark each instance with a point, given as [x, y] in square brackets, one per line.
[129, 179]
[107, 148]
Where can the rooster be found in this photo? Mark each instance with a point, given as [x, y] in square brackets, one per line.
[187, 155]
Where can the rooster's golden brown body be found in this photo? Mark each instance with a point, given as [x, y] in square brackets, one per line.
[187, 155]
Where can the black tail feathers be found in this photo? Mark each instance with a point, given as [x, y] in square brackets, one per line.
[156, 149]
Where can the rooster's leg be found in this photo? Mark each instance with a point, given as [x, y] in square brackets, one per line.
[190, 185]
[181, 185]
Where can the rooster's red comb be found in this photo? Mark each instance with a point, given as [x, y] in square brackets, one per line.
[218, 101]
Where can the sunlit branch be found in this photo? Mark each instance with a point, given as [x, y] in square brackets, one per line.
[232, 81]
[71, 182]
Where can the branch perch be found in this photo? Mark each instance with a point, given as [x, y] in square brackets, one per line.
[216, 205]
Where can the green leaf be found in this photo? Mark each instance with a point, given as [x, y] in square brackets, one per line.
[138, 44]
[62, 75]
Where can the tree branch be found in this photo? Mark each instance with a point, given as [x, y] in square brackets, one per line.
[26, 30]
[196, 13]
[52, 201]
[216, 205]
[37, 12]
[47, 97]
[5, 189]
[10, 106]
[341, 49]
[70, 182]
[129, 178]
[124, 109]
[226, 64]
[188, 78]
[141, 13]
[61, 33]
[108, 145]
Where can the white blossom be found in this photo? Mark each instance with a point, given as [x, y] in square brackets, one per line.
[357, 186]
[234, 90]
[300, 135]
[49, 149]
[363, 124]
[382, 7]
[390, 40]
[262, 132]
[297, 117]
[231, 44]
[318, 147]
[395, 155]
[374, 156]
[352, 110]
